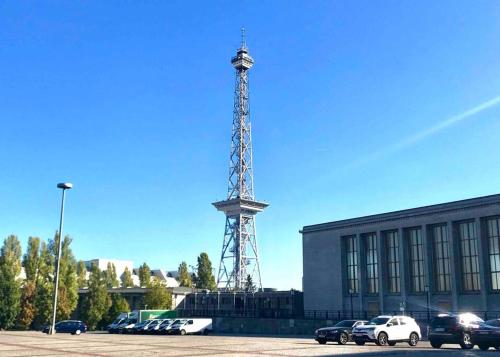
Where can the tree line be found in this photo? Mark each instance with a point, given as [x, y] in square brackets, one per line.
[26, 301]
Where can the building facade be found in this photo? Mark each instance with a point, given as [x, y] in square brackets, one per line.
[441, 258]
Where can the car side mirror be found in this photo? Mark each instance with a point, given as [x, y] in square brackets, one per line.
[389, 324]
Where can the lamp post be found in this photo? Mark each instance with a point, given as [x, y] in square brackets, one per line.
[63, 186]
[352, 310]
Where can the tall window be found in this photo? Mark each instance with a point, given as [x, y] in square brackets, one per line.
[469, 255]
[351, 263]
[371, 263]
[392, 249]
[494, 251]
[417, 272]
[441, 258]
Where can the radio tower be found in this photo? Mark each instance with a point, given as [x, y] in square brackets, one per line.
[239, 257]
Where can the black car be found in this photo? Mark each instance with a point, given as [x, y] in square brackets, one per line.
[453, 329]
[487, 335]
[73, 327]
[340, 333]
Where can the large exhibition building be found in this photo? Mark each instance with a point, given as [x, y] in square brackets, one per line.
[444, 256]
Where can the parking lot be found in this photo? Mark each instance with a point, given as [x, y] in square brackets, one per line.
[103, 344]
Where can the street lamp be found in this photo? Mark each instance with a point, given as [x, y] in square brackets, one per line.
[63, 186]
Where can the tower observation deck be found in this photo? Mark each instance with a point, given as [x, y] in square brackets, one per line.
[239, 257]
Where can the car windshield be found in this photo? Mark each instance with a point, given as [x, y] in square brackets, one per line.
[378, 321]
[117, 321]
[467, 319]
[444, 321]
[180, 322]
[494, 323]
[346, 323]
[166, 322]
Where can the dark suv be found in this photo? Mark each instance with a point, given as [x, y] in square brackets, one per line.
[453, 329]
[73, 327]
[341, 332]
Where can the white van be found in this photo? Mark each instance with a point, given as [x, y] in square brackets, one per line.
[191, 326]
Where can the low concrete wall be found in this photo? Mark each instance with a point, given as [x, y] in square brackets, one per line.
[241, 325]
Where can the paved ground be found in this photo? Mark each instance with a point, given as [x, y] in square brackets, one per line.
[101, 344]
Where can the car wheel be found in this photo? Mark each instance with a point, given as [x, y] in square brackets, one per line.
[465, 342]
[382, 339]
[343, 338]
[321, 342]
[359, 343]
[435, 344]
[77, 332]
[183, 332]
[484, 347]
[413, 339]
[392, 343]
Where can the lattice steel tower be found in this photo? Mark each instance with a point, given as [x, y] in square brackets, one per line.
[239, 257]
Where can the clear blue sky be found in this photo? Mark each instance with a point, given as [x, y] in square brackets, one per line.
[132, 102]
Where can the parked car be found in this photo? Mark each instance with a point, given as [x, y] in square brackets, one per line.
[155, 328]
[140, 327]
[167, 330]
[74, 327]
[453, 329]
[112, 326]
[126, 326]
[192, 326]
[154, 324]
[388, 330]
[340, 333]
[487, 335]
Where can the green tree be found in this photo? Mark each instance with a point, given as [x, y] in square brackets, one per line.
[249, 285]
[184, 276]
[10, 287]
[144, 275]
[31, 262]
[158, 296]
[110, 276]
[118, 305]
[205, 278]
[44, 287]
[127, 281]
[67, 295]
[97, 300]
[81, 271]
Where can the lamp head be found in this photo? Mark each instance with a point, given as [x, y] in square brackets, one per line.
[65, 186]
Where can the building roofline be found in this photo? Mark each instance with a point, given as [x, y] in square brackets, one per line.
[440, 208]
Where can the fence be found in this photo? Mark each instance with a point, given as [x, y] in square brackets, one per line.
[336, 315]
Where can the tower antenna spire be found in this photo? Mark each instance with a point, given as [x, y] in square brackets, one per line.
[243, 38]
[239, 262]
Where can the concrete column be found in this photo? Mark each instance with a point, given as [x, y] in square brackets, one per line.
[429, 269]
[380, 267]
[454, 264]
[483, 259]
[402, 264]
[361, 272]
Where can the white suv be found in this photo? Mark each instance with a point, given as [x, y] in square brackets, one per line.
[388, 330]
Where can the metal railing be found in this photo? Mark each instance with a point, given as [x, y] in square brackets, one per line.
[335, 315]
